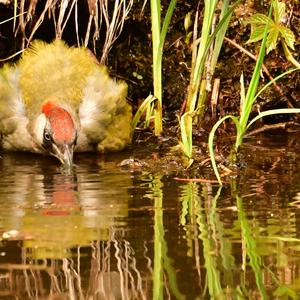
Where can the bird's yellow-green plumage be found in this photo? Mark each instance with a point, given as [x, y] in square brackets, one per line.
[55, 70]
[71, 78]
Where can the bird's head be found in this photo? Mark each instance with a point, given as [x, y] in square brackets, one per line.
[56, 132]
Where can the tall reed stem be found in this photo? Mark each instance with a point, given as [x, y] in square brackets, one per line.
[157, 64]
[158, 39]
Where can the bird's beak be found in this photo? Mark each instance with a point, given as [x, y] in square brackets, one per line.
[65, 154]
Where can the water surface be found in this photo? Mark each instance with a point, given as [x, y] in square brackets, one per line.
[111, 232]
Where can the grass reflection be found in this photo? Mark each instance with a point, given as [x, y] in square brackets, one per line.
[163, 269]
[203, 224]
[249, 243]
[261, 266]
[158, 238]
[208, 228]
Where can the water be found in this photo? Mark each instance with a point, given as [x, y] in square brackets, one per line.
[114, 232]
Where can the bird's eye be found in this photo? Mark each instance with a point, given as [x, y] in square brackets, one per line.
[47, 140]
[47, 136]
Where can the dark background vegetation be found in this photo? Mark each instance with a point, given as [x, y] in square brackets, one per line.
[131, 54]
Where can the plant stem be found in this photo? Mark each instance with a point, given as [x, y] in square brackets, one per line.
[198, 67]
[250, 96]
[289, 55]
[155, 27]
[158, 39]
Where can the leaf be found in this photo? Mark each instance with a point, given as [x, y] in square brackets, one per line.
[279, 11]
[150, 99]
[257, 34]
[257, 19]
[288, 36]
[186, 127]
[258, 23]
[283, 291]
[272, 38]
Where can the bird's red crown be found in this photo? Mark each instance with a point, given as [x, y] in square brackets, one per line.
[62, 124]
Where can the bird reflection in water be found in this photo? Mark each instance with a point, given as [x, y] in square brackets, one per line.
[69, 239]
[61, 194]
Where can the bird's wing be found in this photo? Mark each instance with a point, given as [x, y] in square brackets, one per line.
[104, 114]
[10, 99]
[13, 119]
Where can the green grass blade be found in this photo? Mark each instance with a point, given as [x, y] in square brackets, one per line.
[197, 70]
[186, 123]
[250, 96]
[274, 112]
[211, 142]
[158, 39]
[158, 109]
[157, 82]
[220, 35]
[149, 114]
[202, 49]
[242, 94]
[146, 103]
[166, 23]
[274, 80]
[155, 26]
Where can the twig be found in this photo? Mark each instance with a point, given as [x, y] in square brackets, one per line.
[215, 97]
[278, 89]
[202, 180]
[114, 23]
[264, 128]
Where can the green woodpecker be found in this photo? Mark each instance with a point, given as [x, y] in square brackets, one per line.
[58, 100]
